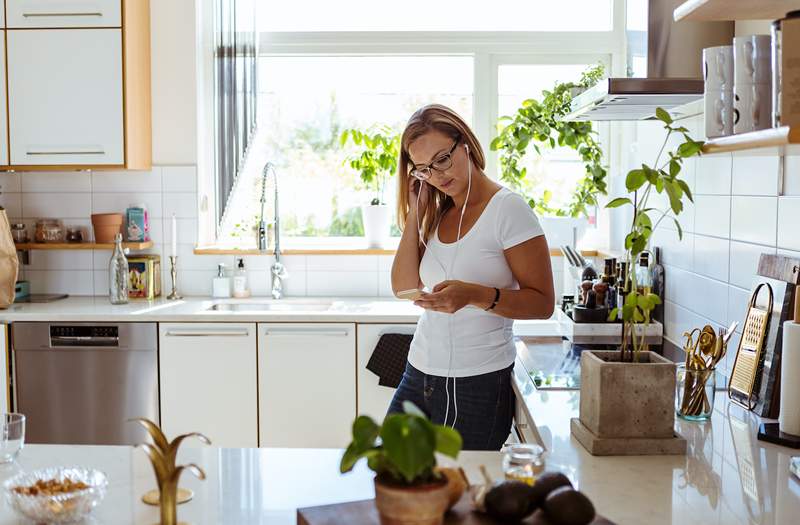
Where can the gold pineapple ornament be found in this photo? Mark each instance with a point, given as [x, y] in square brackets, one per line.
[162, 454]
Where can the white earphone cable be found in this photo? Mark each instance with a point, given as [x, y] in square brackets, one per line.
[448, 275]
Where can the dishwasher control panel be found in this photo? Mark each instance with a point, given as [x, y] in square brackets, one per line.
[84, 335]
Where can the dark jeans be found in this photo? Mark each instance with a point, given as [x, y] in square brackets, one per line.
[485, 404]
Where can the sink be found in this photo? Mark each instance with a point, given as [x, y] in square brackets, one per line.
[273, 306]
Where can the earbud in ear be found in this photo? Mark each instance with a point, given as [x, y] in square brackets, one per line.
[466, 146]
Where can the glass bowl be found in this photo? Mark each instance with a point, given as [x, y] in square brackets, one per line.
[67, 507]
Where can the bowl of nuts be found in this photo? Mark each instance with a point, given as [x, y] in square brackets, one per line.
[56, 494]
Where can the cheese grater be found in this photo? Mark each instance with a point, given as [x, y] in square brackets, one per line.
[750, 355]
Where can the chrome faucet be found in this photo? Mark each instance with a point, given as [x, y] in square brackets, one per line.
[277, 270]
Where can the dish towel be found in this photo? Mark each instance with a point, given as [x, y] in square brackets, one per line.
[388, 360]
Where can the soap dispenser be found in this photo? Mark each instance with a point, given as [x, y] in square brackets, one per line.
[221, 286]
[240, 288]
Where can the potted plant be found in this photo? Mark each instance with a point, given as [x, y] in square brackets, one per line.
[539, 123]
[401, 452]
[376, 161]
[626, 402]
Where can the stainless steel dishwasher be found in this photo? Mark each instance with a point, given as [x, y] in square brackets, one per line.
[79, 383]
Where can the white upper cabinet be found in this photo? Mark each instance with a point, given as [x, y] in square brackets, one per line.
[63, 13]
[3, 112]
[65, 97]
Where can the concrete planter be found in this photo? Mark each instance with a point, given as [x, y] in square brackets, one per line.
[627, 408]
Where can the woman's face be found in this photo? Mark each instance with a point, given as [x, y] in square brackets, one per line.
[432, 148]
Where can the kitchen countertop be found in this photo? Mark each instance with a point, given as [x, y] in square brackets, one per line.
[242, 486]
[196, 309]
[728, 477]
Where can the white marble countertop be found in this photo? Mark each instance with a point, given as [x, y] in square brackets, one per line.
[728, 477]
[197, 309]
[243, 486]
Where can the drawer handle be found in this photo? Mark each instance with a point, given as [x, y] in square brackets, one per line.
[306, 331]
[43, 15]
[65, 152]
[208, 333]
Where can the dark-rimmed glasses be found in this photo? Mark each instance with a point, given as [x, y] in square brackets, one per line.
[440, 164]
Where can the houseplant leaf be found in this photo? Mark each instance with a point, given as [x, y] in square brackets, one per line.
[409, 444]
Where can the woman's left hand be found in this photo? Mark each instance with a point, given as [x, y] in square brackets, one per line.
[449, 296]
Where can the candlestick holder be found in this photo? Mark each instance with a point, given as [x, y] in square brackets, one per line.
[173, 271]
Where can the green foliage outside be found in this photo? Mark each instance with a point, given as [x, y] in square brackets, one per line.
[644, 182]
[538, 123]
[402, 448]
[376, 160]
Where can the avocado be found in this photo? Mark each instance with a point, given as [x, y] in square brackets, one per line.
[545, 484]
[509, 501]
[566, 506]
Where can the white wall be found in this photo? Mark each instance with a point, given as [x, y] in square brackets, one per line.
[737, 215]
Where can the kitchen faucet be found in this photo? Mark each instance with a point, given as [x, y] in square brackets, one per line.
[277, 270]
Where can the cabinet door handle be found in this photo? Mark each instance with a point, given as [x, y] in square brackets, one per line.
[208, 333]
[97, 152]
[308, 331]
[43, 15]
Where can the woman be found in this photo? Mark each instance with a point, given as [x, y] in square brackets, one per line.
[478, 249]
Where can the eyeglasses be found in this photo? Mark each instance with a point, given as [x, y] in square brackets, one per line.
[440, 164]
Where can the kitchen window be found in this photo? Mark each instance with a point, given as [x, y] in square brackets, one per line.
[328, 70]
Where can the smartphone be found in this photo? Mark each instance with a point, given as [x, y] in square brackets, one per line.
[411, 295]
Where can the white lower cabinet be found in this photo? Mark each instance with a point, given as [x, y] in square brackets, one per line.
[306, 384]
[374, 399]
[208, 381]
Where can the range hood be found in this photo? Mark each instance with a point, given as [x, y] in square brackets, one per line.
[672, 52]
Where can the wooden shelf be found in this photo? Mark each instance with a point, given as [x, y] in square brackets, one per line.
[766, 138]
[719, 10]
[81, 246]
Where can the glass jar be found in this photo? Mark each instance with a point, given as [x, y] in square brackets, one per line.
[49, 230]
[19, 232]
[694, 393]
[74, 235]
[523, 462]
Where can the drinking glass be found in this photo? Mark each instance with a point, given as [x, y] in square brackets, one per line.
[13, 436]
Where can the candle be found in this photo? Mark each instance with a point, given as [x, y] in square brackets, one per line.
[174, 236]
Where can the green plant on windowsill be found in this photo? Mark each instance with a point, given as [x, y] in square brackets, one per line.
[661, 177]
[376, 160]
[539, 123]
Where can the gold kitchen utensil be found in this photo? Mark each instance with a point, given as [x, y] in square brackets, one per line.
[162, 454]
[747, 365]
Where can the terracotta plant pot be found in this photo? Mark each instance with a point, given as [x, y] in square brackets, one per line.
[421, 505]
[106, 226]
[627, 408]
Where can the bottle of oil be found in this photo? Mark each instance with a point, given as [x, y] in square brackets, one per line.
[644, 277]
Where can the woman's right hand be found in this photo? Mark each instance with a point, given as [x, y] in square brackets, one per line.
[420, 189]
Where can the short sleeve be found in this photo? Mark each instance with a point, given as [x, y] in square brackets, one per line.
[516, 222]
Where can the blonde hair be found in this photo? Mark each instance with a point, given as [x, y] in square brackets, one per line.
[433, 117]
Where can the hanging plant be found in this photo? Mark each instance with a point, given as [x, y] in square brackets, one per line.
[538, 123]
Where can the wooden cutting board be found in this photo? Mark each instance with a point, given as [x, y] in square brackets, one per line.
[364, 513]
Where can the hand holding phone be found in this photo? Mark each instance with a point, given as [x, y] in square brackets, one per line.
[411, 295]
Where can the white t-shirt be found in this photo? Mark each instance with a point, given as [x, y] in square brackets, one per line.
[482, 341]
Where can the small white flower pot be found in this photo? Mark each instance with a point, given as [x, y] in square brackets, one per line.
[376, 224]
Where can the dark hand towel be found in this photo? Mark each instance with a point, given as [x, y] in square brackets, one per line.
[388, 360]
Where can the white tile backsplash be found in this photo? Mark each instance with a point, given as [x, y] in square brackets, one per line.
[349, 263]
[753, 219]
[118, 202]
[10, 182]
[183, 205]
[744, 262]
[713, 175]
[64, 205]
[711, 257]
[712, 215]
[788, 222]
[126, 181]
[336, 283]
[179, 179]
[12, 202]
[73, 282]
[756, 174]
[62, 182]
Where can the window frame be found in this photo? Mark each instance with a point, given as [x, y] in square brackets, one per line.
[489, 51]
